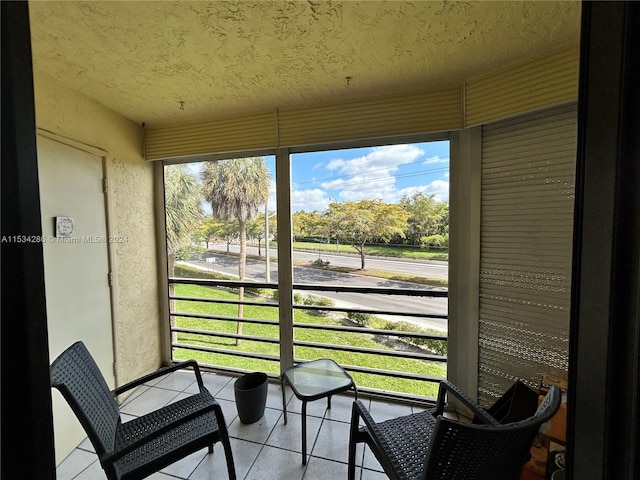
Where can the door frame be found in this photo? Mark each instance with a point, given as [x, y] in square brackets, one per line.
[111, 258]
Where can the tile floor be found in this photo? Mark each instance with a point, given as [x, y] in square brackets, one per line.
[264, 450]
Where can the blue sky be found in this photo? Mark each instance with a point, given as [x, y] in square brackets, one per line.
[387, 172]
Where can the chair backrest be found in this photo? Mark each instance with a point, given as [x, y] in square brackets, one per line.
[75, 374]
[495, 452]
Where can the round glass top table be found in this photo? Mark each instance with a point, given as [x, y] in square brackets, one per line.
[312, 381]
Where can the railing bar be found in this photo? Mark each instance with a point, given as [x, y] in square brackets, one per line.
[225, 318]
[418, 292]
[387, 373]
[394, 374]
[387, 353]
[230, 302]
[370, 331]
[224, 335]
[222, 283]
[426, 402]
[234, 353]
[379, 290]
[311, 326]
[364, 310]
[310, 307]
[233, 371]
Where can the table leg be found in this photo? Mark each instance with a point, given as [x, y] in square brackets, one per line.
[304, 432]
[329, 402]
[284, 403]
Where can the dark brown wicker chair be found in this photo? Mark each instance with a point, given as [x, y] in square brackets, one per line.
[428, 446]
[144, 445]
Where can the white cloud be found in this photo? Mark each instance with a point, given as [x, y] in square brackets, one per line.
[436, 159]
[372, 175]
[272, 202]
[308, 200]
[439, 188]
[335, 164]
[380, 158]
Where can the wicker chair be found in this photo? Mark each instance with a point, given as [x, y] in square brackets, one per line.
[144, 445]
[428, 446]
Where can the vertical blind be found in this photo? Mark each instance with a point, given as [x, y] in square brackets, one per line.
[528, 172]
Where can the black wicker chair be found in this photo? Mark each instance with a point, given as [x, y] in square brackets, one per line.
[428, 446]
[144, 445]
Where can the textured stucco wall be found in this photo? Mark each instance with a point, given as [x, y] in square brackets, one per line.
[70, 114]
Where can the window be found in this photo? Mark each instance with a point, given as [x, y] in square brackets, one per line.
[369, 262]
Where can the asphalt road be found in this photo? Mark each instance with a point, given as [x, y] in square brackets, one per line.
[435, 269]
[255, 269]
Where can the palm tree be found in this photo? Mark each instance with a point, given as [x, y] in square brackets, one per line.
[182, 209]
[236, 189]
[183, 216]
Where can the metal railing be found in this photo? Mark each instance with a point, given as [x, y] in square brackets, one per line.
[410, 352]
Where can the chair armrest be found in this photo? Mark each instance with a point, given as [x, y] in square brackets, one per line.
[448, 387]
[160, 373]
[359, 410]
[374, 436]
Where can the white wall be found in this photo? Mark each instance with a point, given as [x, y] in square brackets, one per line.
[131, 210]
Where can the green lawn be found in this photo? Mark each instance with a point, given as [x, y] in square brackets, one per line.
[382, 250]
[268, 331]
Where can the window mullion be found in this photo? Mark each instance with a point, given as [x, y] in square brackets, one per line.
[285, 256]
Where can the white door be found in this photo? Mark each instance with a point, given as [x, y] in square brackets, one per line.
[76, 267]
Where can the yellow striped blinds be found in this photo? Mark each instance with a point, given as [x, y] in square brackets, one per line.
[540, 82]
[418, 112]
[239, 133]
[526, 238]
[528, 86]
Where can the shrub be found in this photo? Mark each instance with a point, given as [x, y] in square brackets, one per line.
[186, 271]
[317, 300]
[439, 347]
[360, 318]
[320, 263]
[439, 241]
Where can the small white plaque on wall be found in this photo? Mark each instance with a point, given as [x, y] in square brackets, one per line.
[64, 226]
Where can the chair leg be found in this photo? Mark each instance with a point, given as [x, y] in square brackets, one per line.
[224, 438]
[231, 468]
[351, 474]
[211, 448]
[353, 438]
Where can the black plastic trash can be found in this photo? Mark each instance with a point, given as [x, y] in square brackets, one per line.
[251, 396]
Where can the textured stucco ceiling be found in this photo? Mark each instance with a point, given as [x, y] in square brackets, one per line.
[142, 58]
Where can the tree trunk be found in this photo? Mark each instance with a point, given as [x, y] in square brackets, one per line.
[362, 256]
[242, 260]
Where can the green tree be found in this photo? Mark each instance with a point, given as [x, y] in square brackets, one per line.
[357, 223]
[427, 217]
[230, 231]
[182, 215]
[309, 224]
[210, 229]
[257, 228]
[236, 189]
[182, 209]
